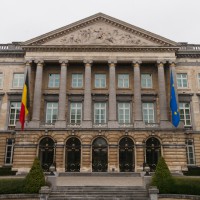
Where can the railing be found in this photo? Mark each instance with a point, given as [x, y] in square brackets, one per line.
[189, 47]
[10, 47]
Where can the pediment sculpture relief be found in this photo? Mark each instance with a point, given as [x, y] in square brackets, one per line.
[100, 35]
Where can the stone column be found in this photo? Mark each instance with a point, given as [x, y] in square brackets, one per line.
[112, 116]
[87, 113]
[37, 95]
[138, 119]
[61, 122]
[164, 123]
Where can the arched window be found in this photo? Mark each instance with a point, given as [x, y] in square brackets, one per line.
[153, 152]
[126, 155]
[46, 153]
[99, 155]
[73, 155]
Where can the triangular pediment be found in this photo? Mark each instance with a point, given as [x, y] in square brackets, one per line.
[100, 29]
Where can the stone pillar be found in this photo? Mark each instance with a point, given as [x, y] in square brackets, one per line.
[164, 123]
[35, 123]
[61, 122]
[112, 116]
[87, 113]
[138, 119]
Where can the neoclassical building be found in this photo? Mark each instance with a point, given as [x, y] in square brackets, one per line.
[99, 99]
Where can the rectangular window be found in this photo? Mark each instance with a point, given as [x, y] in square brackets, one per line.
[146, 80]
[148, 112]
[75, 113]
[100, 113]
[199, 79]
[182, 80]
[18, 80]
[124, 113]
[100, 80]
[9, 151]
[123, 80]
[1, 80]
[14, 113]
[190, 152]
[77, 80]
[51, 112]
[54, 80]
[185, 115]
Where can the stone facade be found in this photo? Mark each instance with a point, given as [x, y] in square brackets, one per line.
[100, 45]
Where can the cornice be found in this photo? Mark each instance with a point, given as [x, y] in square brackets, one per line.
[8, 54]
[188, 54]
[100, 17]
[97, 48]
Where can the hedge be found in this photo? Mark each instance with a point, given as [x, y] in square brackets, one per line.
[183, 185]
[12, 186]
[6, 171]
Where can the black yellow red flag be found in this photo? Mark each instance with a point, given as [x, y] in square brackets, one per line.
[24, 102]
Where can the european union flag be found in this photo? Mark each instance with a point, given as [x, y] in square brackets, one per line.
[173, 103]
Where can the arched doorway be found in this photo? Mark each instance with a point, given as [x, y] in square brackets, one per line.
[126, 155]
[46, 153]
[99, 155]
[73, 155]
[153, 152]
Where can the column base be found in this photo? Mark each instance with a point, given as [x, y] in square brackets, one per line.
[85, 169]
[60, 124]
[86, 124]
[139, 124]
[33, 124]
[166, 124]
[113, 124]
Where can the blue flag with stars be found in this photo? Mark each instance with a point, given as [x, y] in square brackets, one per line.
[173, 103]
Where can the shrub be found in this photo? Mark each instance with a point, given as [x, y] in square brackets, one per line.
[35, 178]
[162, 177]
[11, 186]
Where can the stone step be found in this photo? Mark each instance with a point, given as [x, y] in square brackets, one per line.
[96, 188]
[106, 174]
[99, 193]
[102, 197]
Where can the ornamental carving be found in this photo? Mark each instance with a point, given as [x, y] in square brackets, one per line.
[100, 34]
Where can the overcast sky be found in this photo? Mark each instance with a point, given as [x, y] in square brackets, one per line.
[178, 20]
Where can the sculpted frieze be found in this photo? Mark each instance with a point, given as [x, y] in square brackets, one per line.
[100, 34]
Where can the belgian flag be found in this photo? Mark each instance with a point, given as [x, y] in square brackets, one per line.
[24, 102]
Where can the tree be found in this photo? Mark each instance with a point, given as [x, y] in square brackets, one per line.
[35, 178]
[162, 177]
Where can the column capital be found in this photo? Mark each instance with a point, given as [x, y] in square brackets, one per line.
[112, 63]
[28, 62]
[138, 62]
[39, 62]
[86, 62]
[172, 63]
[63, 62]
[160, 63]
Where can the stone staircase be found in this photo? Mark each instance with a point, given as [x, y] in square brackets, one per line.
[98, 186]
[99, 193]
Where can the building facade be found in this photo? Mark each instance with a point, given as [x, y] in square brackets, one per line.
[99, 99]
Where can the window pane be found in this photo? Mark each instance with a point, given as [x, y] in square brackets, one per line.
[54, 80]
[18, 80]
[77, 80]
[51, 112]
